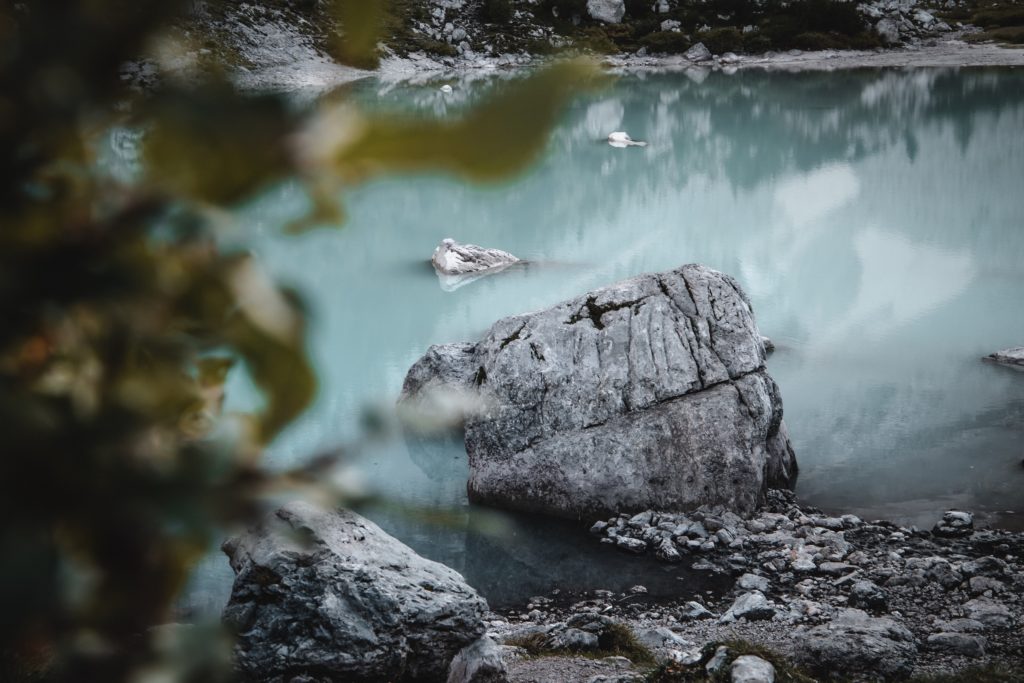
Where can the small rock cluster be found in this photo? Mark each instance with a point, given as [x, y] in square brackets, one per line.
[832, 593]
[901, 21]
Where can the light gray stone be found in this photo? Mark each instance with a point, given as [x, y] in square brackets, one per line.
[328, 592]
[994, 615]
[608, 11]
[752, 669]
[889, 31]
[955, 523]
[648, 394]
[698, 53]
[452, 258]
[751, 606]
[663, 638]
[958, 643]
[749, 582]
[855, 641]
[868, 594]
[479, 662]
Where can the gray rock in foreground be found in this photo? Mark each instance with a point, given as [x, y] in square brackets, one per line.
[329, 596]
[752, 669]
[650, 393]
[1011, 358]
[855, 641]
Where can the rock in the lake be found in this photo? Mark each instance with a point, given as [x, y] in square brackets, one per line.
[651, 393]
[698, 53]
[608, 11]
[854, 641]
[452, 258]
[479, 662]
[752, 669]
[955, 523]
[958, 643]
[1011, 358]
[328, 594]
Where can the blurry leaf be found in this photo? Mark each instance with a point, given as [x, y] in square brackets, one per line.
[213, 147]
[361, 22]
[492, 141]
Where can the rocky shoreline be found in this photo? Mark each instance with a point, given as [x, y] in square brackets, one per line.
[835, 595]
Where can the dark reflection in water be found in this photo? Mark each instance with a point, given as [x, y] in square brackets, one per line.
[875, 218]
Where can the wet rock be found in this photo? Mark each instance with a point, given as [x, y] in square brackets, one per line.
[328, 591]
[993, 615]
[958, 643]
[452, 258]
[480, 662]
[751, 606]
[1011, 358]
[854, 641]
[631, 545]
[651, 393]
[955, 524]
[608, 11]
[662, 638]
[698, 53]
[752, 669]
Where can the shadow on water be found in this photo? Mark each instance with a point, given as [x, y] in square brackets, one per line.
[510, 558]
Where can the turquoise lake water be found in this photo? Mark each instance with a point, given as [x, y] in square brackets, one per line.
[875, 218]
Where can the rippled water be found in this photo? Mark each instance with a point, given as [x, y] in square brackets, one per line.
[876, 219]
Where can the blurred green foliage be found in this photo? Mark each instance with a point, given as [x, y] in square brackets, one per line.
[123, 318]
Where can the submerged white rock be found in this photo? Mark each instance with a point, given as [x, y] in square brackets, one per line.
[1012, 358]
[622, 139]
[452, 258]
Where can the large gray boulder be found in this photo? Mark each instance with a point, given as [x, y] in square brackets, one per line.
[648, 394]
[326, 595]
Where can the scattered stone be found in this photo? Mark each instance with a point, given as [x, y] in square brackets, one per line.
[751, 606]
[695, 610]
[955, 524]
[752, 669]
[868, 594]
[717, 662]
[574, 640]
[480, 662]
[992, 614]
[854, 641]
[698, 53]
[751, 582]
[958, 643]
[662, 638]
[608, 11]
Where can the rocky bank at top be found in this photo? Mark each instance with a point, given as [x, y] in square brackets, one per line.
[650, 393]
